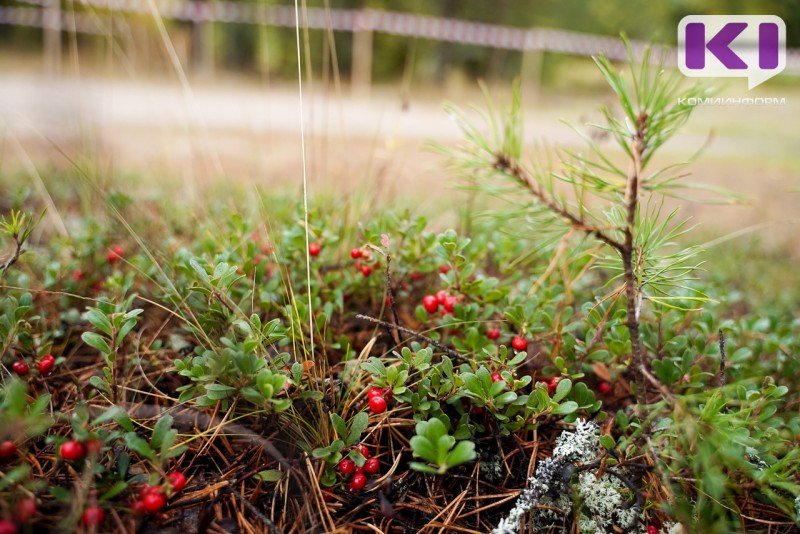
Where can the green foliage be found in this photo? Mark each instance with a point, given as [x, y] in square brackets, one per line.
[433, 444]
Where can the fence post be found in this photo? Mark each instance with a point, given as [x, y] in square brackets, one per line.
[532, 64]
[202, 40]
[51, 36]
[361, 73]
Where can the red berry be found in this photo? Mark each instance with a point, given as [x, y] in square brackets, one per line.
[77, 275]
[7, 527]
[115, 254]
[519, 343]
[93, 446]
[430, 303]
[177, 480]
[376, 265]
[45, 366]
[651, 529]
[374, 392]
[137, 507]
[314, 249]
[7, 450]
[605, 388]
[416, 275]
[72, 450]
[553, 384]
[93, 516]
[154, 501]
[441, 296]
[355, 253]
[363, 450]
[377, 405]
[372, 466]
[21, 368]
[366, 270]
[497, 377]
[444, 269]
[327, 495]
[359, 481]
[450, 303]
[347, 467]
[494, 333]
[26, 509]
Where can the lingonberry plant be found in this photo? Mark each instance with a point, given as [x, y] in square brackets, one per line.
[183, 365]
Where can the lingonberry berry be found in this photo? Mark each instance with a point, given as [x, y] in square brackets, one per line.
[26, 509]
[177, 480]
[444, 268]
[355, 253]
[441, 296]
[519, 343]
[314, 249]
[374, 392]
[430, 303]
[93, 516]
[115, 254]
[605, 388]
[377, 405]
[497, 377]
[72, 450]
[450, 303]
[359, 481]
[7, 450]
[363, 450]
[347, 467]
[154, 501]
[372, 466]
[366, 270]
[494, 333]
[46, 365]
[21, 368]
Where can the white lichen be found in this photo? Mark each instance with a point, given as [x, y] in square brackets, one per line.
[603, 499]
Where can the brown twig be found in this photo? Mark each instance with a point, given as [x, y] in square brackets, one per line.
[431, 341]
[18, 251]
[392, 306]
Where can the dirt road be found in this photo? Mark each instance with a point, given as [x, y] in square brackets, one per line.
[248, 133]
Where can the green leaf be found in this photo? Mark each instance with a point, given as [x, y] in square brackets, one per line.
[139, 446]
[357, 426]
[96, 341]
[607, 442]
[566, 408]
[160, 430]
[338, 425]
[269, 475]
[114, 490]
[99, 320]
[463, 453]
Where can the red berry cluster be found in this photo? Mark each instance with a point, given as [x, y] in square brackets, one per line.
[45, 366]
[377, 399]
[364, 261]
[115, 254]
[23, 513]
[551, 384]
[153, 498]
[348, 467]
[442, 298]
